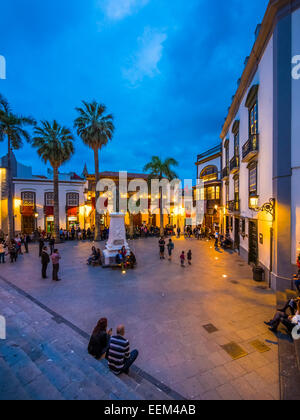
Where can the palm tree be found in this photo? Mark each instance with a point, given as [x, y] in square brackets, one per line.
[161, 170]
[54, 144]
[11, 126]
[95, 128]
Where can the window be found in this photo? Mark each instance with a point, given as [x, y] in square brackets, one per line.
[217, 193]
[236, 193]
[28, 198]
[253, 180]
[237, 145]
[49, 199]
[236, 189]
[210, 173]
[227, 192]
[211, 193]
[202, 194]
[72, 199]
[243, 227]
[227, 154]
[253, 120]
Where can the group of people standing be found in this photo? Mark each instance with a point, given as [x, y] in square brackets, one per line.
[54, 256]
[170, 248]
[13, 247]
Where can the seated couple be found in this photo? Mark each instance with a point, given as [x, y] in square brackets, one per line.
[96, 257]
[115, 349]
[125, 260]
[281, 316]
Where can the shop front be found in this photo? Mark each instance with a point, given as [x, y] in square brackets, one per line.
[72, 217]
[49, 219]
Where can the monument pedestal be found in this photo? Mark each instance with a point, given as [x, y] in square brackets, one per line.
[116, 239]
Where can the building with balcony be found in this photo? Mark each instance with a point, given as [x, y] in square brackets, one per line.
[210, 176]
[260, 142]
[33, 199]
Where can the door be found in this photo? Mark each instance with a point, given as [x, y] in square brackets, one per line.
[237, 233]
[253, 242]
[28, 224]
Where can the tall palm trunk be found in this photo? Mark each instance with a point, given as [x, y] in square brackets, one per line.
[97, 215]
[10, 209]
[56, 204]
[131, 227]
[162, 230]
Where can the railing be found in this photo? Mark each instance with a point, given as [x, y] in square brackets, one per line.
[215, 150]
[225, 172]
[233, 206]
[234, 163]
[251, 147]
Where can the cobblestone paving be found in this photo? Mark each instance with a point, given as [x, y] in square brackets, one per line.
[165, 308]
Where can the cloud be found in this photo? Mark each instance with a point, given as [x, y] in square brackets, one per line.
[144, 63]
[119, 9]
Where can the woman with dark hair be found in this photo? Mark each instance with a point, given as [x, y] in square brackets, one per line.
[100, 339]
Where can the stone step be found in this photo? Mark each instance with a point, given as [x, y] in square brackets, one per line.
[144, 388]
[10, 387]
[45, 358]
[64, 368]
[35, 384]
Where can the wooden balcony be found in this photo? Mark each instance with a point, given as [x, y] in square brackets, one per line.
[233, 206]
[225, 173]
[251, 148]
[234, 165]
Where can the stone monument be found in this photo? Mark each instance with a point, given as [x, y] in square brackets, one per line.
[116, 239]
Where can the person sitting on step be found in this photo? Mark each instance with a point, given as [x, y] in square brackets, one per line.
[288, 321]
[99, 341]
[120, 359]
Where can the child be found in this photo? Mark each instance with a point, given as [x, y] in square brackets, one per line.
[189, 257]
[182, 259]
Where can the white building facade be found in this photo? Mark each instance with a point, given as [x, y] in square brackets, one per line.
[260, 142]
[33, 196]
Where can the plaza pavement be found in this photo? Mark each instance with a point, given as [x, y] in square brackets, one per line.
[164, 308]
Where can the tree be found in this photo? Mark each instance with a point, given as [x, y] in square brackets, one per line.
[54, 144]
[12, 128]
[96, 129]
[161, 170]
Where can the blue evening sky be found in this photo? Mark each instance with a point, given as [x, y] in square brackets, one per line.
[166, 69]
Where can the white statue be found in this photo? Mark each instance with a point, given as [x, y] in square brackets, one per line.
[116, 239]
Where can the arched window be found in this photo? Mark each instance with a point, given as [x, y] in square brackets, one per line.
[210, 173]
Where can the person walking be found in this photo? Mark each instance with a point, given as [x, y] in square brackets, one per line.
[189, 257]
[182, 259]
[161, 245]
[178, 232]
[26, 243]
[170, 249]
[55, 257]
[216, 239]
[45, 259]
